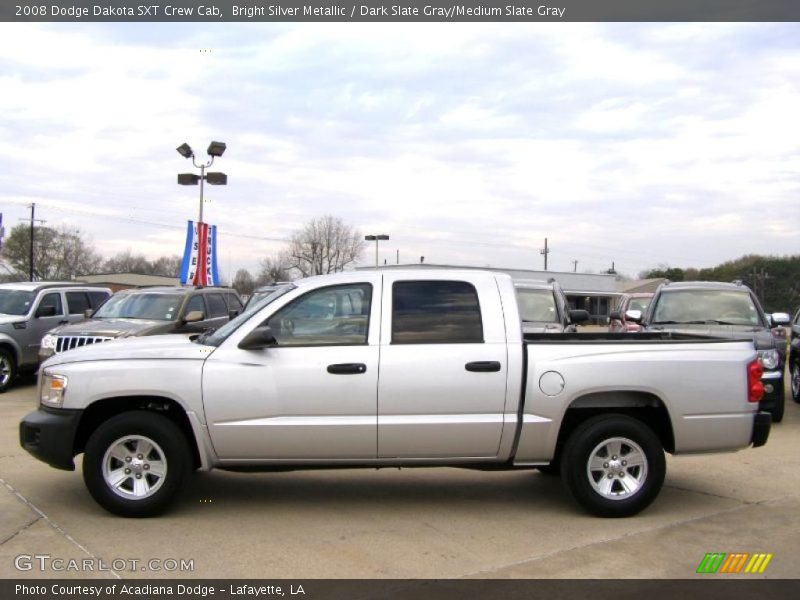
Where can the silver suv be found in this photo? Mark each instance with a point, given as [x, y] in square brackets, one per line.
[28, 310]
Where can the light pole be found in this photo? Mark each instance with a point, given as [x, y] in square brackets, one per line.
[376, 239]
[215, 149]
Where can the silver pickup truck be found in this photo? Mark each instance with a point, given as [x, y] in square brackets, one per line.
[395, 368]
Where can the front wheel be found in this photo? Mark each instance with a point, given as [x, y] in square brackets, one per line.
[8, 369]
[613, 465]
[135, 464]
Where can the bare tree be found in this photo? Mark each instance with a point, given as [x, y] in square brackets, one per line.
[325, 245]
[61, 253]
[273, 270]
[127, 262]
[243, 282]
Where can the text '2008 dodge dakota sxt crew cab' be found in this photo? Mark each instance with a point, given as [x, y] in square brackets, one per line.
[395, 368]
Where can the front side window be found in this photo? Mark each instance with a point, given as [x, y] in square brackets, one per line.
[97, 298]
[537, 305]
[435, 312]
[331, 316]
[216, 306]
[151, 307]
[50, 303]
[196, 303]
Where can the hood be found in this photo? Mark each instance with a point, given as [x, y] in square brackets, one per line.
[8, 319]
[763, 338]
[174, 346]
[115, 327]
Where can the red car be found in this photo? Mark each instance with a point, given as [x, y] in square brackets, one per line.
[617, 322]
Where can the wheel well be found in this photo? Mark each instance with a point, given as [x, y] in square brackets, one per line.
[643, 406]
[11, 350]
[102, 410]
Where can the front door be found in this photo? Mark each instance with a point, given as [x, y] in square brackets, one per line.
[311, 396]
[47, 315]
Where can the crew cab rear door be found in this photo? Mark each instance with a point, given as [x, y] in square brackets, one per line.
[443, 366]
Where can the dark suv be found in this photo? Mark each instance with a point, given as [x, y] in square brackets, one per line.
[147, 311]
[722, 310]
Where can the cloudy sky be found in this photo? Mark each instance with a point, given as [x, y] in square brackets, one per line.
[642, 144]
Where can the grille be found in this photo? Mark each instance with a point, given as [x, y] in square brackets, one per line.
[70, 342]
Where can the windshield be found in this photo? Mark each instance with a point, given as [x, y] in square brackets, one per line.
[151, 307]
[639, 304]
[706, 307]
[15, 302]
[221, 334]
[537, 305]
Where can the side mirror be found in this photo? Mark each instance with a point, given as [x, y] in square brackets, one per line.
[87, 314]
[578, 316]
[615, 315]
[777, 319]
[46, 311]
[232, 314]
[260, 337]
[635, 316]
[194, 316]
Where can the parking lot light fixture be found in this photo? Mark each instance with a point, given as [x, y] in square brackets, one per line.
[185, 150]
[215, 149]
[376, 239]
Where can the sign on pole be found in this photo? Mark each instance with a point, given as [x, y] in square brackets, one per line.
[199, 265]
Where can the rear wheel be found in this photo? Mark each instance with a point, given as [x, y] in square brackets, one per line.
[8, 369]
[795, 381]
[135, 464]
[613, 465]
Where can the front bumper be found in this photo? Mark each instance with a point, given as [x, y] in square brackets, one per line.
[762, 421]
[49, 435]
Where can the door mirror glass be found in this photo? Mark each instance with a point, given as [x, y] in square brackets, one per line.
[780, 318]
[46, 311]
[634, 316]
[578, 316]
[260, 337]
[194, 316]
[232, 314]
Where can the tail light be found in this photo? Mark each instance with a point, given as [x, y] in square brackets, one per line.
[755, 389]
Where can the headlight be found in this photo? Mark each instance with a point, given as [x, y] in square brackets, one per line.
[770, 359]
[52, 390]
[49, 342]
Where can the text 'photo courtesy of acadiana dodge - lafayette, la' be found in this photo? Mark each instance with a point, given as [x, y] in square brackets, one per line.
[332, 300]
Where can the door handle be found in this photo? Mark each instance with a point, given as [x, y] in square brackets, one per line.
[483, 366]
[347, 369]
[63, 322]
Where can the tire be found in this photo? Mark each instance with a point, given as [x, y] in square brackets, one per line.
[795, 380]
[777, 410]
[8, 369]
[152, 449]
[553, 469]
[613, 436]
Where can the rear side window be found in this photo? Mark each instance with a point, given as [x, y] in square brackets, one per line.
[435, 312]
[77, 302]
[216, 306]
[97, 298]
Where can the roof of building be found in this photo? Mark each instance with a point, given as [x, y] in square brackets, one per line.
[131, 279]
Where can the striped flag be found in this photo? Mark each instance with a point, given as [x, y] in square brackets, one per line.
[199, 265]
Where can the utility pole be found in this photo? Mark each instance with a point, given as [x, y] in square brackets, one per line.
[545, 251]
[33, 221]
[398, 256]
[574, 266]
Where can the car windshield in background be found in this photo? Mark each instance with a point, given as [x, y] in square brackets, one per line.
[151, 307]
[537, 305]
[639, 304]
[15, 302]
[706, 307]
